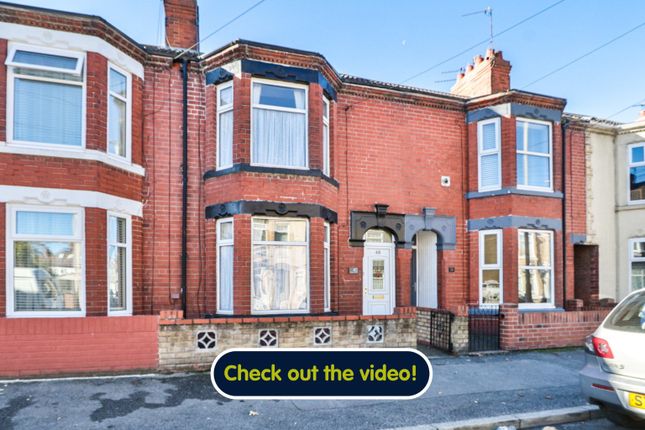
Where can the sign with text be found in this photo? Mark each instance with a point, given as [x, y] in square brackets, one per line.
[316, 373]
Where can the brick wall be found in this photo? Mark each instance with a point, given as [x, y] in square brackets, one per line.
[178, 339]
[538, 330]
[48, 346]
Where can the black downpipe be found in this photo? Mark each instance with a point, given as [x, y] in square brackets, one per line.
[564, 126]
[184, 186]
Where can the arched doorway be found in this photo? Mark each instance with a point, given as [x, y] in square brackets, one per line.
[426, 265]
[378, 272]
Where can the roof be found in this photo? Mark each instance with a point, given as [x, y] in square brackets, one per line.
[591, 119]
[350, 79]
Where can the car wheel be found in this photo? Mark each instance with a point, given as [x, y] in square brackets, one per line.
[622, 419]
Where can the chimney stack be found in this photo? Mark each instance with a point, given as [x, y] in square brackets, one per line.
[182, 23]
[488, 75]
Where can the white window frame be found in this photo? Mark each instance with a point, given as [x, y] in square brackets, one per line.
[499, 266]
[128, 113]
[551, 268]
[11, 76]
[277, 108]
[11, 237]
[307, 276]
[630, 165]
[525, 153]
[633, 259]
[495, 151]
[221, 110]
[327, 267]
[220, 244]
[326, 167]
[128, 259]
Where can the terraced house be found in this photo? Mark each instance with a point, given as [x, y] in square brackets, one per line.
[159, 204]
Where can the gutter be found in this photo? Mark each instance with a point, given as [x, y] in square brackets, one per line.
[184, 186]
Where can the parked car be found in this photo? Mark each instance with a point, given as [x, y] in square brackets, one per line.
[614, 373]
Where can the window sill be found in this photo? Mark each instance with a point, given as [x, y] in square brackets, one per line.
[546, 308]
[245, 167]
[517, 191]
[74, 153]
[79, 314]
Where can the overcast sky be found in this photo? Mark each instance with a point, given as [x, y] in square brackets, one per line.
[394, 40]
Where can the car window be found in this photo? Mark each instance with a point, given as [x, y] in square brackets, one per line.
[629, 315]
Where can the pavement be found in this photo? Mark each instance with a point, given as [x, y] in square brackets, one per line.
[463, 388]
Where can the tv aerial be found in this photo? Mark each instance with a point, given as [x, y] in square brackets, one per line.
[488, 11]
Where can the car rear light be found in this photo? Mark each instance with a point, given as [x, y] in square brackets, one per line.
[601, 347]
[602, 387]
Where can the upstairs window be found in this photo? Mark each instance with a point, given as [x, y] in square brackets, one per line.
[326, 136]
[637, 173]
[225, 126]
[119, 112]
[46, 92]
[533, 143]
[488, 143]
[279, 130]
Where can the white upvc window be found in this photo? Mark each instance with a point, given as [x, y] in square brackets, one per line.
[489, 154]
[225, 254]
[119, 264]
[325, 146]
[280, 265]
[45, 274]
[534, 155]
[636, 172]
[490, 267]
[535, 263]
[279, 125]
[45, 97]
[224, 153]
[637, 263]
[119, 113]
[327, 267]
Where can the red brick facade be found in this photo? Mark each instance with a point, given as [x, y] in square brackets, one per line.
[389, 145]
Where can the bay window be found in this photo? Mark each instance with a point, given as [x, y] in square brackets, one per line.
[488, 143]
[45, 261]
[225, 126]
[119, 89]
[119, 268]
[326, 160]
[280, 280]
[636, 173]
[490, 267]
[535, 260]
[279, 125]
[637, 263]
[533, 146]
[224, 269]
[45, 96]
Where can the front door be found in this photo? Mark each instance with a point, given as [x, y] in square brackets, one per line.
[426, 269]
[378, 279]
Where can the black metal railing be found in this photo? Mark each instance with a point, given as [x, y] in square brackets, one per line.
[440, 329]
[483, 328]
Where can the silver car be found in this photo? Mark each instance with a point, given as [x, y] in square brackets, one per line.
[614, 373]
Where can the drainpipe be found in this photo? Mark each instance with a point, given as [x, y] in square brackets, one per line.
[184, 185]
[564, 125]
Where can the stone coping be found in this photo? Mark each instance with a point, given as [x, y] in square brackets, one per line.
[164, 320]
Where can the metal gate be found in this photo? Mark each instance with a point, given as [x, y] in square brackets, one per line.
[483, 328]
[440, 329]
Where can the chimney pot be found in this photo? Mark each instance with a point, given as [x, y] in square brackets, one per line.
[469, 68]
[478, 59]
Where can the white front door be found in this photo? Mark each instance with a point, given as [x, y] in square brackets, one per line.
[427, 269]
[378, 279]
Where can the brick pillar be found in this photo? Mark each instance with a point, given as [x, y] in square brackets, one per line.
[242, 265]
[402, 287]
[509, 326]
[316, 265]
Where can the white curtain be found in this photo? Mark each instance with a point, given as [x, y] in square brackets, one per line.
[225, 130]
[279, 138]
[226, 278]
[279, 277]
